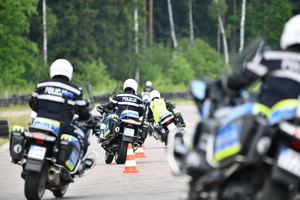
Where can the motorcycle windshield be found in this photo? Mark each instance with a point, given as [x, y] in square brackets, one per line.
[247, 54]
[118, 89]
[87, 91]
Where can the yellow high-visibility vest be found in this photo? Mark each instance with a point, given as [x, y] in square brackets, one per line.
[158, 107]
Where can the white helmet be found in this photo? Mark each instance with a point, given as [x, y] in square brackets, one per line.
[148, 83]
[61, 67]
[291, 32]
[146, 98]
[154, 94]
[130, 83]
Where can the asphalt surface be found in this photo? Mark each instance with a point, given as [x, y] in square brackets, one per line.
[107, 181]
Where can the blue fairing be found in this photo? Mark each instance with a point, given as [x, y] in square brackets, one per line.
[165, 114]
[237, 112]
[73, 158]
[75, 141]
[227, 137]
[45, 123]
[282, 114]
[129, 113]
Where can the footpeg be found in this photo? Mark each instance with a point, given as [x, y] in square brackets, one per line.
[89, 162]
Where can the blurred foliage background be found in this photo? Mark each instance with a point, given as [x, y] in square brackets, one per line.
[99, 38]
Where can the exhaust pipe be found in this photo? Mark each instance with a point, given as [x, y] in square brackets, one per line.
[135, 146]
[53, 175]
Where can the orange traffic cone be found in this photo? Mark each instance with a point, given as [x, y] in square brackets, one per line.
[139, 153]
[130, 164]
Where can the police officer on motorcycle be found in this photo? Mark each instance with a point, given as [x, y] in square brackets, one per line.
[147, 89]
[158, 106]
[128, 100]
[279, 69]
[47, 100]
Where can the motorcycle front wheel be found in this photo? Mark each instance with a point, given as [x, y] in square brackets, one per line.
[35, 184]
[120, 156]
[60, 192]
[108, 158]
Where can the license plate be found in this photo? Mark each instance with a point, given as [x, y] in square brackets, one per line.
[171, 126]
[129, 132]
[37, 152]
[289, 160]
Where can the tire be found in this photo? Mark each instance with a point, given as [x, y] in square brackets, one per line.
[4, 133]
[151, 130]
[35, 184]
[166, 138]
[4, 127]
[166, 141]
[120, 156]
[274, 190]
[3, 122]
[60, 192]
[108, 158]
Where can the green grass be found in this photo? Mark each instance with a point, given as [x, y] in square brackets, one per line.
[21, 120]
[15, 108]
[3, 141]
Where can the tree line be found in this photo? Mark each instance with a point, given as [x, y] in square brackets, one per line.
[166, 41]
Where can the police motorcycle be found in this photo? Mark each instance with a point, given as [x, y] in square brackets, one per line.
[168, 121]
[146, 127]
[246, 151]
[51, 159]
[119, 131]
[241, 148]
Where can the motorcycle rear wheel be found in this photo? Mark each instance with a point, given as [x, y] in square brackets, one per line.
[60, 192]
[108, 158]
[274, 190]
[35, 184]
[120, 156]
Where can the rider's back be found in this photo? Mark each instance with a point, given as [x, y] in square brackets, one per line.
[128, 101]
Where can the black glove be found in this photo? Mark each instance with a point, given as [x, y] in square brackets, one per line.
[97, 123]
[100, 109]
[171, 106]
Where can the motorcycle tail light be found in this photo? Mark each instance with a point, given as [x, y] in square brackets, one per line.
[167, 120]
[40, 136]
[39, 141]
[295, 144]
